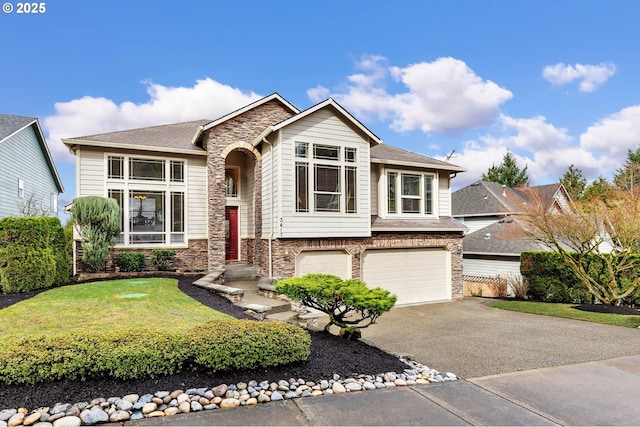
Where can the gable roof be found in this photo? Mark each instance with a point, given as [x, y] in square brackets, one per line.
[11, 125]
[329, 103]
[388, 155]
[172, 138]
[504, 237]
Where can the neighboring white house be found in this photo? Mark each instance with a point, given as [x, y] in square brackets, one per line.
[29, 181]
[288, 191]
[495, 239]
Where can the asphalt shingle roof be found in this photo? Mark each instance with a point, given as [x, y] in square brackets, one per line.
[171, 136]
[505, 237]
[9, 124]
[427, 224]
[391, 154]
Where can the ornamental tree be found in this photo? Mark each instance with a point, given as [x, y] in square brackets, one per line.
[349, 304]
[597, 239]
[97, 219]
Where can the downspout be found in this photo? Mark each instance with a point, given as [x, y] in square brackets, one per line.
[264, 139]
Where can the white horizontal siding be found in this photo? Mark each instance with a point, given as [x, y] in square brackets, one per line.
[91, 173]
[325, 128]
[444, 194]
[476, 223]
[196, 214]
[268, 192]
[375, 176]
[490, 267]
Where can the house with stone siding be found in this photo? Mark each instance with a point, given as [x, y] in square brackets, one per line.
[288, 191]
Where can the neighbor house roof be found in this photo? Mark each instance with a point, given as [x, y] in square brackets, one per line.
[504, 237]
[483, 198]
[172, 138]
[10, 125]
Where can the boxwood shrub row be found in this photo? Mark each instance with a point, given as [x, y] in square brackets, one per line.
[140, 353]
[34, 254]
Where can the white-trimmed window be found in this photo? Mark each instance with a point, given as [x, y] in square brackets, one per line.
[411, 193]
[151, 195]
[325, 178]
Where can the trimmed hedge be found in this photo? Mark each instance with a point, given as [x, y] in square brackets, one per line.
[162, 258]
[130, 261]
[140, 353]
[33, 254]
[551, 281]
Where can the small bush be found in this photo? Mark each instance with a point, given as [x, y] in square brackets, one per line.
[518, 285]
[240, 344]
[162, 258]
[348, 303]
[24, 269]
[130, 261]
[143, 353]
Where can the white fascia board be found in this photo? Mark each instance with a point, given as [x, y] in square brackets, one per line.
[452, 168]
[79, 142]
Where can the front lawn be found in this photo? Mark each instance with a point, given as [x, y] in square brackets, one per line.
[106, 306]
[568, 311]
[131, 329]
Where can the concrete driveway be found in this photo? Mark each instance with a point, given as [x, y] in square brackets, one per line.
[470, 339]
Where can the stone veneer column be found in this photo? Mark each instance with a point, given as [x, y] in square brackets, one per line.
[242, 129]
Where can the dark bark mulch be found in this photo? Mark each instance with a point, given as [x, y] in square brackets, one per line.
[329, 355]
[610, 309]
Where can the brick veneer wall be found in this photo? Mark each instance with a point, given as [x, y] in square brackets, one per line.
[283, 249]
[236, 133]
[190, 259]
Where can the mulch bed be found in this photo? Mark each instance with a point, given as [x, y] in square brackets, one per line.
[610, 309]
[329, 355]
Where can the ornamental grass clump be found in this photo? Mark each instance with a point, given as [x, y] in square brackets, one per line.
[350, 304]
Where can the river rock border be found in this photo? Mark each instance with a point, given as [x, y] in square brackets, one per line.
[223, 396]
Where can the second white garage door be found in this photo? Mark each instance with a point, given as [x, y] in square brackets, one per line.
[414, 275]
[337, 263]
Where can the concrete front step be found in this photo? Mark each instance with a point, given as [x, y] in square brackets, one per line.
[239, 272]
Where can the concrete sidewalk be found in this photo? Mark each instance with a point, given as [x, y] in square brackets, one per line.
[594, 393]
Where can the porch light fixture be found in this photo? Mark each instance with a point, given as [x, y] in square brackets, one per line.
[286, 255]
[218, 181]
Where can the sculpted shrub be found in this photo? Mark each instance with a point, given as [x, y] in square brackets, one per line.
[350, 304]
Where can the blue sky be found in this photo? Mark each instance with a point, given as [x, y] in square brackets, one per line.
[554, 82]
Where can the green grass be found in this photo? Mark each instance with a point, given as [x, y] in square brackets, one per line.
[102, 306]
[567, 311]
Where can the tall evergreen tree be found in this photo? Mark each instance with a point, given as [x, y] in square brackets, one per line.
[598, 189]
[628, 176]
[507, 173]
[574, 182]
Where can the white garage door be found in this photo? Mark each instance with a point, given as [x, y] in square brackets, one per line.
[337, 263]
[414, 275]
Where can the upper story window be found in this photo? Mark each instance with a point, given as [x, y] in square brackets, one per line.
[327, 180]
[410, 193]
[144, 169]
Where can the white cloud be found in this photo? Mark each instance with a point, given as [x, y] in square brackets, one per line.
[207, 99]
[444, 96]
[590, 76]
[548, 151]
[612, 137]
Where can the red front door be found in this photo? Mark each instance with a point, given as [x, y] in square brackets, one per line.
[231, 233]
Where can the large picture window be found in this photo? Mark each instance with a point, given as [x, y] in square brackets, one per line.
[150, 213]
[410, 193]
[326, 181]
